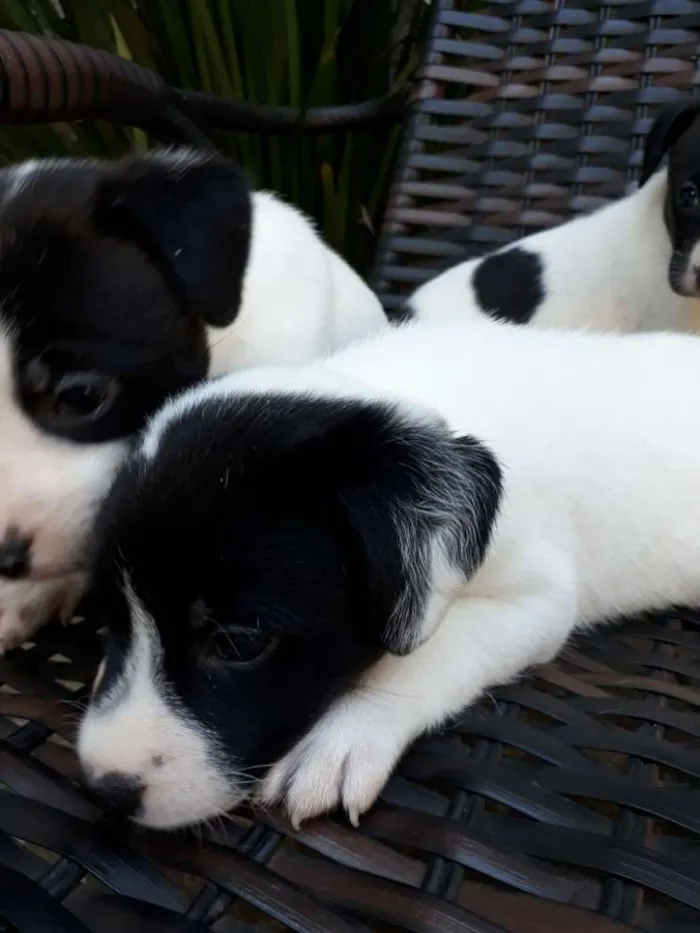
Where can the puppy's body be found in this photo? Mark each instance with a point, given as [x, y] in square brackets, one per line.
[299, 300]
[608, 271]
[132, 280]
[442, 506]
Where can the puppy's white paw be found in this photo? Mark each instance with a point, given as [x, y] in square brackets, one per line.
[26, 606]
[345, 760]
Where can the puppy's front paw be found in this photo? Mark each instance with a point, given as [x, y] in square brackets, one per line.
[25, 606]
[345, 760]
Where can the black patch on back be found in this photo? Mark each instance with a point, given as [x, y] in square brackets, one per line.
[508, 285]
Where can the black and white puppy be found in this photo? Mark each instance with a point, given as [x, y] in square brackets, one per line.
[122, 282]
[310, 567]
[633, 265]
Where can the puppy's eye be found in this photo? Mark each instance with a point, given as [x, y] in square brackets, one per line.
[688, 196]
[83, 396]
[241, 648]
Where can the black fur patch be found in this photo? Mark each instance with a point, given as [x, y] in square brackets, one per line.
[193, 220]
[79, 304]
[109, 271]
[508, 285]
[307, 521]
[682, 205]
[668, 127]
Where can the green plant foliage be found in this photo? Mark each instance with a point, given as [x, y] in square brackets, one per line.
[301, 53]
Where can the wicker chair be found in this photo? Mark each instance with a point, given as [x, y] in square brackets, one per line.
[567, 802]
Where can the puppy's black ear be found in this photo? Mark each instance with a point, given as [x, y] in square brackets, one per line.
[192, 215]
[668, 127]
[422, 507]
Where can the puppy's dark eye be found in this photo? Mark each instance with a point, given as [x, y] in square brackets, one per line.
[68, 397]
[84, 396]
[242, 648]
[688, 196]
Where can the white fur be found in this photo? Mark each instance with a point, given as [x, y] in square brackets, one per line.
[136, 729]
[599, 439]
[607, 270]
[300, 301]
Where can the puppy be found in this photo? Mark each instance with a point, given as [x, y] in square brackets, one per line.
[633, 265]
[121, 283]
[310, 567]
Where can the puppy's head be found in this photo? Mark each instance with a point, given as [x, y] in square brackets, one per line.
[676, 131]
[256, 555]
[109, 274]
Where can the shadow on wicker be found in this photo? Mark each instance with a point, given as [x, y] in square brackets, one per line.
[567, 802]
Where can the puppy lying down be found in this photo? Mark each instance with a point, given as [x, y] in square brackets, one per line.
[302, 570]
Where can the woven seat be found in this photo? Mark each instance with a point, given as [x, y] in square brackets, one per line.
[566, 803]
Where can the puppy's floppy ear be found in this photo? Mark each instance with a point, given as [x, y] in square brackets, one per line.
[421, 506]
[191, 214]
[666, 130]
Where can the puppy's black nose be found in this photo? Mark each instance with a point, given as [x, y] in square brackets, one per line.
[119, 794]
[14, 555]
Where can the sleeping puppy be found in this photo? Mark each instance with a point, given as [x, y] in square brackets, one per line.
[122, 282]
[311, 567]
[633, 265]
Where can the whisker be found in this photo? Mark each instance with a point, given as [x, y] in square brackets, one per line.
[261, 767]
[81, 705]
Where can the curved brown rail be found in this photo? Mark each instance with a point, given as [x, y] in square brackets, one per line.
[46, 80]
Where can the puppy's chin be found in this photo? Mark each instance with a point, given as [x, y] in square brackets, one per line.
[165, 811]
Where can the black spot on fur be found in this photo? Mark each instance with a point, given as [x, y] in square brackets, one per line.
[508, 285]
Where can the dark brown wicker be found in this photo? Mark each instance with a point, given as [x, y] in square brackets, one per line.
[568, 803]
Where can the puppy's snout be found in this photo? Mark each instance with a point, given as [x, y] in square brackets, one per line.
[118, 794]
[15, 550]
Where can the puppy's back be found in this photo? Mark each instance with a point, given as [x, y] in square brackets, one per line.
[606, 270]
[598, 437]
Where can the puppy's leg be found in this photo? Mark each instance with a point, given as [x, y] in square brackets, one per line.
[349, 754]
[27, 605]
